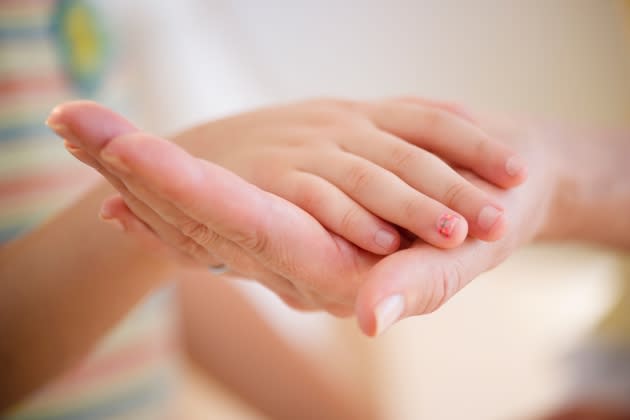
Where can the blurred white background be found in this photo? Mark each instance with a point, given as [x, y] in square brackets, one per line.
[494, 352]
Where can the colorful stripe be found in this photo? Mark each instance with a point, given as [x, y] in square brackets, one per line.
[51, 51]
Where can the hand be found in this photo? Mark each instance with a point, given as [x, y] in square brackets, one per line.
[422, 278]
[246, 211]
[356, 165]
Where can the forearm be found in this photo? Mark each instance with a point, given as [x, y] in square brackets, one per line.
[226, 336]
[63, 286]
[592, 197]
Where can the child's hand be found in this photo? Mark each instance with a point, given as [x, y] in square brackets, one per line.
[357, 165]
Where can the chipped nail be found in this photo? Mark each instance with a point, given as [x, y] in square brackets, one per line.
[446, 224]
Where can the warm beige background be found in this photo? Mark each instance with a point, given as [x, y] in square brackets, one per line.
[493, 352]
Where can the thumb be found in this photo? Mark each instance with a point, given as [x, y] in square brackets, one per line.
[416, 281]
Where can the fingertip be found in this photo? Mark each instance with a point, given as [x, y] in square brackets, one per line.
[365, 318]
[377, 316]
[115, 212]
[497, 231]
[87, 123]
[386, 240]
[516, 167]
[452, 230]
[113, 207]
[511, 173]
[491, 224]
[381, 300]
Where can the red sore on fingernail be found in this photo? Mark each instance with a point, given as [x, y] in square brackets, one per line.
[446, 224]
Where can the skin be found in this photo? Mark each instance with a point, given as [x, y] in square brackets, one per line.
[262, 148]
[49, 315]
[54, 317]
[558, 202]
[277, 380]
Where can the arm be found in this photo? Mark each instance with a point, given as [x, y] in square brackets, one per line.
[592, 200]
[274, 378]
[63, 286]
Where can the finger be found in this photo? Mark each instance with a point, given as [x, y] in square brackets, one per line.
[116, 211]
[338, 213]
[387, 196]
[87, 125]
[185, 234]
[264, 225]
[276, 233]
[117, 208]
[298, 303]
[185, 247]
[453, 139]
[452, 107]
[94, 128]
[417, 281]
[430, 175]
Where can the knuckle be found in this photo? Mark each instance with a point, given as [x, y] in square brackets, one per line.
[336, 113]
[455, 193]
[446, 281]
[349, 219]
[189, 247]
[412, 207]
[358, 177]
[308, 197]
[199, 232]
[482, 146]
[402, 157]
[434, 119]
[253, 241]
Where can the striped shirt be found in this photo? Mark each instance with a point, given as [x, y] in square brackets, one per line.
[51, 51]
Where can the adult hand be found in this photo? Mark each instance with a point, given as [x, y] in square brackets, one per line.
[210, 214]
[261, 235]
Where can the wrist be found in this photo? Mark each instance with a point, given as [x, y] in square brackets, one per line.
[590, 193]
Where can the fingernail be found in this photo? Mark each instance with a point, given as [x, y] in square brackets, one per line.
[385, 239]
[54, 114]
[106, 216]
[446, 224]
[70, 147]
[514, 165]
[62, 131]
[116, 223]
[104, 213]
[388, 311]
[114, 161]
[488, 217]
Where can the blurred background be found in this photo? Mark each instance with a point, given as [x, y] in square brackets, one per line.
[498, 349]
